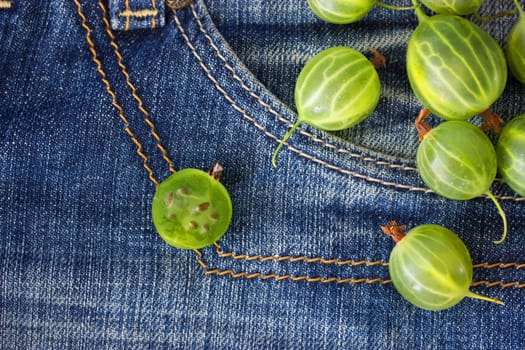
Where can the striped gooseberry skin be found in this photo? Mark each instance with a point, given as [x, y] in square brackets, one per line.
[510, 150]
[515, 50]
[457, 160]
[336, 89]
[455, 68]
[453, 7]
[431, 267]
[341, 11]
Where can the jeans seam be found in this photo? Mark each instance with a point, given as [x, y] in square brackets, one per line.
[220, 253]
[270, 109]
[111, 93]
[261, 128]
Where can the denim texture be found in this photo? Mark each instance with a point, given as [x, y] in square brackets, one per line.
[303, 263]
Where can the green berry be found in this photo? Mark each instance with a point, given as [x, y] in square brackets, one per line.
[453, 7]
[191, 209]
[511, 154]
[455, 68]
[431, 267]
[341, 11]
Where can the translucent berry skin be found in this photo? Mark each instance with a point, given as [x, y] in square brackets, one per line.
[431, 267]
[453, 7]
[455, 68]
[191, 209]
[515, 50]
[511, 154]
[457, 160]
[336, 89]
[341, 11]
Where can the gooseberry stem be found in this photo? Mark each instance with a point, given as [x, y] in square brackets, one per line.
[471, 294]
[285, 138]
[495, 16]
[421, 16]
[502, 214]
[394, 7]
[520, 9]
[395, 231]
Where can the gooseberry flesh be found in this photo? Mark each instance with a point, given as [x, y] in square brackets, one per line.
[510, 150]
[341, 11]
[458, 161]
[336, 89]
[191, 209]
[515, 49]
[455, 68]
[453, 7]
[431, 267]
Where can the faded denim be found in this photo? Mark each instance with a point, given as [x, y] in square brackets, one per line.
[303, 263]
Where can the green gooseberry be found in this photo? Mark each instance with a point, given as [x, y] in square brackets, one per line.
[336, 89]
[191, 209]
[458, 161]
[454, 67]
[341, 11]
[430, 266]
[515, 48]
[453, 7]
[510, 150]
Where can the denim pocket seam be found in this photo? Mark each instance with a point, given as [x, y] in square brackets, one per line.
[219, 252]
[271, 110]
[261, 128]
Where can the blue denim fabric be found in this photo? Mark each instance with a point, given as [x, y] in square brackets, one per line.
[81, 265]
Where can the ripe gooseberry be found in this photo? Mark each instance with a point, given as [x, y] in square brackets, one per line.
[457, 7]
[430, 266]
[510, 150]
[191, 209]
[336, 89]
[341, 11]
[454, 67]
[458, 161]
[515, 48]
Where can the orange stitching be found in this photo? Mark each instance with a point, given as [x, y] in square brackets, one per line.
[120, 109]
[338, 262]
[4, 5]
[338, 280]
[297, 259]
[246, 275]
[153, 19]
[120, 62]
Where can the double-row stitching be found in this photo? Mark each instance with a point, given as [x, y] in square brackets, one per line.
[338, 280]
[272, 136]
[134, 94]
[111, 93]
[244, 274]
[280, 117]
